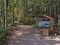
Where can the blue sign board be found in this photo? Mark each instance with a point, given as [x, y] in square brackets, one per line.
[44, 24]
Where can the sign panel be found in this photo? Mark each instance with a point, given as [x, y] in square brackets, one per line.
[44, 24]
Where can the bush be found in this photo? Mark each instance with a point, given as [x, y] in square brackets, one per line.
[53, 32]
[27, 20]
[2, 34]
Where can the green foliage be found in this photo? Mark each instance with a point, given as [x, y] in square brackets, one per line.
[2, 34]
[9, 16]
[27, 20]
[53, 32]
[33, 8]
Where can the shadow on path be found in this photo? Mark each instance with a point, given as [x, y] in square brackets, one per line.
[27, 35]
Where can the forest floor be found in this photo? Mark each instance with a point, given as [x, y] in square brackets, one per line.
[28, 35]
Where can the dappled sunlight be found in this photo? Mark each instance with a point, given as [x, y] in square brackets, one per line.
[27, 35]
[57, 39]
[52, 38]
[30, 22]
[18, 33]
[17, 41]
[13, 37]
[57, 44]
[26, 32]
[37, 36]
[24, 26]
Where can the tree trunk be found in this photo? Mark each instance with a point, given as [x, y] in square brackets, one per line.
[5, 12]
[55, 18]
[25, 7]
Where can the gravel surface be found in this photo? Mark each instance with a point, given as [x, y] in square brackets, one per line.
[27, 35]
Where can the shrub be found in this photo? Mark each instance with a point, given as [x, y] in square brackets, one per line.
[2, 34]
[27, 20]
[53, 32]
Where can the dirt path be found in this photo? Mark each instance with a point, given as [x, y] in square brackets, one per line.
[27, 35]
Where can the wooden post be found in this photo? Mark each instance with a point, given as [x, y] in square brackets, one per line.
[46, 31]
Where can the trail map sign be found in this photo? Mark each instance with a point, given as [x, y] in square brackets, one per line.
[44, 24]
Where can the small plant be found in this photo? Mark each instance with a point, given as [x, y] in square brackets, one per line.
[53, 32]
[2, 34]
[27, 20]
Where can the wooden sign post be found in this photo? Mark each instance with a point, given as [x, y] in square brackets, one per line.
[45, 24]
